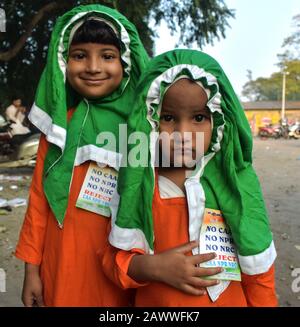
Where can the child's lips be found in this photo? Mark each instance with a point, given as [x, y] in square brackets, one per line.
[91, 81]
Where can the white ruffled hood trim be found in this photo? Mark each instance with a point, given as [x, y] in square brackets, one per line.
[39, 118]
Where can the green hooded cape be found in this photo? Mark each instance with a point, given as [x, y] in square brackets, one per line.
[76, 142]
[223, 180]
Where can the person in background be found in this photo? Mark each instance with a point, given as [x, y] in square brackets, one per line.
[14, 111]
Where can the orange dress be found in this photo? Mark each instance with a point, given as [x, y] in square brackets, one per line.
[170, 218]
[69, 258]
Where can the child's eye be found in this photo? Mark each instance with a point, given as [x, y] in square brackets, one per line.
[108, 56]
[166, 118]
[199, 118]
[78, 56]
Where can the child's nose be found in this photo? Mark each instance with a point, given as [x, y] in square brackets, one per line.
[94, 65]
[182, 127]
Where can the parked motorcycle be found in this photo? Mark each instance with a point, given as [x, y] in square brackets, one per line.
[294, 131]
[268, 131]
[19, 150]
[281, 131]
[3, 124]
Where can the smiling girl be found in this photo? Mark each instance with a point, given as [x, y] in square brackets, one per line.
[94, 59]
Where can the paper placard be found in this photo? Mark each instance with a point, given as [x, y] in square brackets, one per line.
[216, 237]
[97, 190]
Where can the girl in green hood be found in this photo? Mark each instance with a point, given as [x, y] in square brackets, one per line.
[94, 60]
[206, 199]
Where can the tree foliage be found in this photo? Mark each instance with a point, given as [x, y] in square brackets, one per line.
[270, 88]
[23, 48]
[291, 44]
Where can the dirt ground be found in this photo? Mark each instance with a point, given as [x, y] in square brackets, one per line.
[278, 166]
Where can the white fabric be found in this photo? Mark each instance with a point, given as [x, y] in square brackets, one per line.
[259, 263]
[99, 155]
[125, 238]
[11, 113]
[168, 189]
[196, 205]
[207, 91]
[20, 117]
[54, 133]
[196, 201]
[18, 129]
[215, 291]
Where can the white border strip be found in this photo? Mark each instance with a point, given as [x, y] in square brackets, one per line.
[259, 263]
[125, 238]
[99, 155]
[120, 237]
[54, 133]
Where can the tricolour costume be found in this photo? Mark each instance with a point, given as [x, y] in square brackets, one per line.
[224, 179]
[65, 240]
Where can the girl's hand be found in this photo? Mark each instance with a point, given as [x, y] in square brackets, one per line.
[32, 295]
[176, 269]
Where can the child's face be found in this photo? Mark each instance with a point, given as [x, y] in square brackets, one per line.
[94, 70]
[184, 110]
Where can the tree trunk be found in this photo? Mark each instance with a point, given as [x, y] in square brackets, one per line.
[11, 53]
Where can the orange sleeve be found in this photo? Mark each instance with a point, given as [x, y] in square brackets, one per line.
[31, 239]
[115, 265]
[260, 289]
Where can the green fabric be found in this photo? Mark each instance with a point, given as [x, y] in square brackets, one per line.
[54, 97]
[229, 181]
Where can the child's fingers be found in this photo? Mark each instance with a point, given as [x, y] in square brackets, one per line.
[28, 300]
[199, 258]
[189, 289]
[202, 283]
[185, 248]
[201, 272]
[40, 301]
